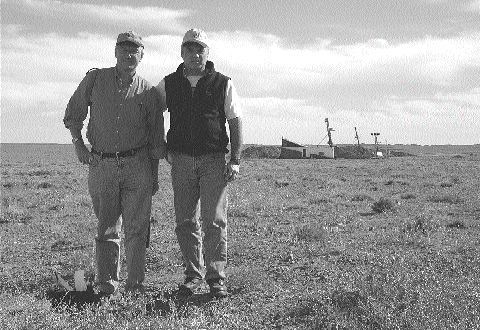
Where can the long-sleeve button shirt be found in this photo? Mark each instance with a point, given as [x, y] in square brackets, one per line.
[121, 118]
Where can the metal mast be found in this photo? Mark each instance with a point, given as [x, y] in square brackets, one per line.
[329, 130]
[376, 143]
[356, 137]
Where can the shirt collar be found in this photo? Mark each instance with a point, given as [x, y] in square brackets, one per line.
[117, 75]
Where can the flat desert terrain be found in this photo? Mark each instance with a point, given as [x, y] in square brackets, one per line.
[313, 244]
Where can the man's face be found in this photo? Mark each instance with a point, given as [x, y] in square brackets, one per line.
[194, 56]
[128, 55]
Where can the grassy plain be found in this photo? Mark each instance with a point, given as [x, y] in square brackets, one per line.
[313, 244]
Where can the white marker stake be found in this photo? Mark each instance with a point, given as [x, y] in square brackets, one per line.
[80, 284]
[62, 282]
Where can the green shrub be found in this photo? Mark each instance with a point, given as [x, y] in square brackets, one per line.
[383, 205]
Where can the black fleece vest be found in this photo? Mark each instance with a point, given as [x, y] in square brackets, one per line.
[197, 122]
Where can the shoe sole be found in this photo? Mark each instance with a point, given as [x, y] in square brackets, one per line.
[189, 291]
[219, 293]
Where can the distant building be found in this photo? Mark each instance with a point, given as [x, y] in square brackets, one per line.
[292, 150]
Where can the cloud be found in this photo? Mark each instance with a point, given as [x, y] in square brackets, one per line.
[336, 77]
[273, 68]
[286, 90]
[76, 17]
[473, 6]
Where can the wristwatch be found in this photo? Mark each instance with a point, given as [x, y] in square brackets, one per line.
[76, 139]
[235, 161]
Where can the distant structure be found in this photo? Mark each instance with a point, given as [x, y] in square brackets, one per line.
[292, 150]
[357, 138]
[329, 133]
[377, 153]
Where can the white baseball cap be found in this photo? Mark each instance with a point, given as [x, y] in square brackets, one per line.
[196, 35]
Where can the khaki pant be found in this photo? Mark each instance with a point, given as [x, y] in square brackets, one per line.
[121, 191]
[200, 200]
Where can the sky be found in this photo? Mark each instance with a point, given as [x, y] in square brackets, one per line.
[407, 69]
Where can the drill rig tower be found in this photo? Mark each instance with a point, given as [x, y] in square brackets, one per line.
[329, 134]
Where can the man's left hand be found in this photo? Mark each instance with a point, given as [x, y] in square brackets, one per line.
[231, 172]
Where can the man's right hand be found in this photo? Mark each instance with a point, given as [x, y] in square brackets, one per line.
[83, 154]
[169, 157]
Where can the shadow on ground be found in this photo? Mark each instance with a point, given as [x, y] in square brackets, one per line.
[74, 299]
[165, 303]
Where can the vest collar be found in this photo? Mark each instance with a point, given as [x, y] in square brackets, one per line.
[209, 68]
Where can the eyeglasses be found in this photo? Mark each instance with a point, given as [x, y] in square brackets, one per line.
[129, 51]
[195, 48]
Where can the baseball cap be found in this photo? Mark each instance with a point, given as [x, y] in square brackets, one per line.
[130, 36]
[196, 35]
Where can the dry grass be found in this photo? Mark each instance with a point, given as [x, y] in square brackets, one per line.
[307, 248]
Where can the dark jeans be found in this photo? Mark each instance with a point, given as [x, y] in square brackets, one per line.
[200, 199]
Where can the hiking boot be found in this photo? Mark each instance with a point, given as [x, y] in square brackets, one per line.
[190, 285]
[217, 287]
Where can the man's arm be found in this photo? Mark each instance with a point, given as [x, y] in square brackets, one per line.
[233, 115]
[236, 139]
[75, 114]
[156, 134]
[236, 142]
[82, 152]
[163, 107]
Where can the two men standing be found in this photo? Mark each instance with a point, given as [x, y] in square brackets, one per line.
[127, 137]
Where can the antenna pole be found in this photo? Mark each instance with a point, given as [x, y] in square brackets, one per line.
[356, 137]
[329, 130]
[376, 143]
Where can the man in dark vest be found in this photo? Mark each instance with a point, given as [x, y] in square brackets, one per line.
[201, 101]
[126, 133]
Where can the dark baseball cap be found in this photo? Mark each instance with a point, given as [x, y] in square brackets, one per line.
[130, 36]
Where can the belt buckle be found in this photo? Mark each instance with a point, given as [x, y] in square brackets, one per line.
[116, 155]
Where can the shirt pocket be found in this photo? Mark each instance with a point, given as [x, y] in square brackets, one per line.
[136, 114]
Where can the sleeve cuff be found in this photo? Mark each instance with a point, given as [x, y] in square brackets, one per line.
[158, 153]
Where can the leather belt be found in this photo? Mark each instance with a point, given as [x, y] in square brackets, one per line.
[120, 154]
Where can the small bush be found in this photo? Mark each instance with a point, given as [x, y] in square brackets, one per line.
[361, 198]
[239, 213]
[281, 184]
[311, 233]
[459, 224]
[455, 180]
[421, 224]
[45, 185]
[318, 201]
[408, 196]
[261, 151]
[448, 199]
[383, 205]
[40, 173]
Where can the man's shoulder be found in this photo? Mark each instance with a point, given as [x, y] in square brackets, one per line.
[103, 70]
[171, 76]
[223, 76]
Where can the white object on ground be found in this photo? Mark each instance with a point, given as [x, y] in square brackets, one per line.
[62, 282]
[80, 284]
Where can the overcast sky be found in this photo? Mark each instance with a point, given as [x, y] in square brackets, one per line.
[408, 69]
